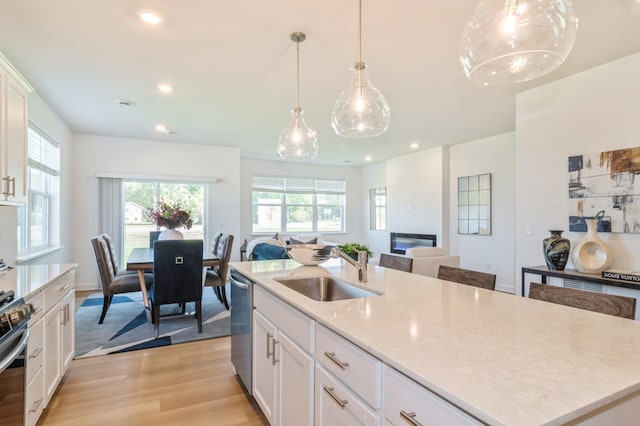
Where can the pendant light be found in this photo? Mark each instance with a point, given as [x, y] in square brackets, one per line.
[511, 41]
[297, 140]
[361, 110]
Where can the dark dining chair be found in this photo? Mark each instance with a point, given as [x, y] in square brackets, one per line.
[153, 237]
[217, 276]
[467, 277]
[619, 306]
[177, 277]
[113, 280]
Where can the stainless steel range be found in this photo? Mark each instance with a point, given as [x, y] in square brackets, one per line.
[14, 334]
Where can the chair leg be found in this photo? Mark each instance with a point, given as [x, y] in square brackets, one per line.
[156, 321]
[216, 291]
[199, 315]
[106, 302]
[223, 292]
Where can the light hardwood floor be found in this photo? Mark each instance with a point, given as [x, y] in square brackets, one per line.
[185, 384]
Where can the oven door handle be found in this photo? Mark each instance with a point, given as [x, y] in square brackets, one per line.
[16, 351]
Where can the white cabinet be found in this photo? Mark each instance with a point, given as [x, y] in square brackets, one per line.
[282, 368]
[264, 365]
[34, 398]
[51, 345]
[67, 338]
[13, 134]
[52, 351]
[406, 402]
[337, 405]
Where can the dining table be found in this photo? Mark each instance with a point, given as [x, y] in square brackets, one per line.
[141, 260]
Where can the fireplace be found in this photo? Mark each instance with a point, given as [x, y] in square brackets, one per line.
[401, 242]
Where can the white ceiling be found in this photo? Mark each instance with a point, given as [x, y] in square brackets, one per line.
[232, 66]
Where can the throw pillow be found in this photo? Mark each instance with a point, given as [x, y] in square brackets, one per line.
[311, 241]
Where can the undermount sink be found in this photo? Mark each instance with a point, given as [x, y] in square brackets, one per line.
[325, 289]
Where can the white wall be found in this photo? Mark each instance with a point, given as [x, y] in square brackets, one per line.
[589, 112]
[493, 253]
[417, 194]
[352, 175]
[373, 176]
[145, 157]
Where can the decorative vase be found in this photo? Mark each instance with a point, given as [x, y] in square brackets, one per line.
[556, 250]
[590, 255]
[171, 234]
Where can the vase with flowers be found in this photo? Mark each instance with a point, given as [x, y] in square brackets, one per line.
[169, 216]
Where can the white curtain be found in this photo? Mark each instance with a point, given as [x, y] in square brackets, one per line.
[111, 220]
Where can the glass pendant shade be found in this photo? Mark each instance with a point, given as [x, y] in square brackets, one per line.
[297, 140]
[361, 110]
[511, 41]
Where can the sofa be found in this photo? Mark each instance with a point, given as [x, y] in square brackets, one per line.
[269, 248]
[427, 260]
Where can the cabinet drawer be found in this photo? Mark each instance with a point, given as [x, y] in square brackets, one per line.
[337, 405]
[57, 290]
[38, 307]
[35, 352]
[34, 399]
[296, 325]
[356, 368]
[404, 399]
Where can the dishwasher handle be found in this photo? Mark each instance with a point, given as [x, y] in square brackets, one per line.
[240, 280]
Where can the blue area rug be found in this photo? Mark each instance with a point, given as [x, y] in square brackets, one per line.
[126, 328]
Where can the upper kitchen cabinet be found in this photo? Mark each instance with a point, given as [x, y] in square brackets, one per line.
[14, 91]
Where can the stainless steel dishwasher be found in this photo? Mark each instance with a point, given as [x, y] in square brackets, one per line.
[241, 324]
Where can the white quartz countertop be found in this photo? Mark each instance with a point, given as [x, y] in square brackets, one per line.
[27, 280]
[500, 357]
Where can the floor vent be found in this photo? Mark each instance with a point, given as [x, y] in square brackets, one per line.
[580, 285]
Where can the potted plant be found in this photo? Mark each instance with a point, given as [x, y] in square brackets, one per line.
[352, 249]
[170, 217]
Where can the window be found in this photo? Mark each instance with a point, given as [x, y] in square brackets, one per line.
[35, 218]
[139, 196]
[378, 209]
[298, 205]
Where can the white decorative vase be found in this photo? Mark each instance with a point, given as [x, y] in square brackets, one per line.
[171, 234]
[590, 255]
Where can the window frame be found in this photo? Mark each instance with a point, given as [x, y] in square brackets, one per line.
[50, 168]
[378, 208]
[316, 187]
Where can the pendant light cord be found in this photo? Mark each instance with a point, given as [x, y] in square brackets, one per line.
[298, 74]
[359, 30]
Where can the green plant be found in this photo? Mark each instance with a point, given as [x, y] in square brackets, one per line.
[354, 248]
[170, 216]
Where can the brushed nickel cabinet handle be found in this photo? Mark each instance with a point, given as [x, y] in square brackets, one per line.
[37, 311]
[35, 353]
[409, 417]
[65, 287]
[336, 398]
[35, 406]
[7, 179]
[269, 337]
[274, 342]
[13, 187]
[332, 357]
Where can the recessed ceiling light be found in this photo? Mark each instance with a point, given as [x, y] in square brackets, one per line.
[367, 158]
[150, 17]
[124, 103]
[165, 88]
[161, 127]
[414, 145]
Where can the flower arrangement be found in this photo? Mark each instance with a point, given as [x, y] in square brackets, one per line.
[352, 249]
[169, 216]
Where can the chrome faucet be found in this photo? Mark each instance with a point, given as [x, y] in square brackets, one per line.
[360, 264]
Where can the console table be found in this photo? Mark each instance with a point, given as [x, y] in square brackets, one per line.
[545, 272]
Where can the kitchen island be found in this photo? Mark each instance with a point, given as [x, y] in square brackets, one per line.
[501, 359]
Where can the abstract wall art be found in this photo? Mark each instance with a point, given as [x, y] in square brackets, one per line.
[604, 185]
